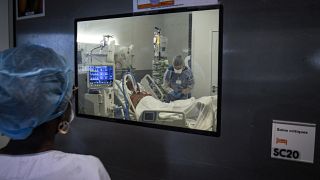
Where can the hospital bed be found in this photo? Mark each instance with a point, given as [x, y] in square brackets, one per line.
[151, 87]
[190, 113]
[195, 113]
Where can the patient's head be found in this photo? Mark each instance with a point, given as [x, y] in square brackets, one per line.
[136, 95]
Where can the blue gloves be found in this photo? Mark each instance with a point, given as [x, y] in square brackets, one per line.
[172, 96]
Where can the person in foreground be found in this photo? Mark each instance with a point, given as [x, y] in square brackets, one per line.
[35, 93]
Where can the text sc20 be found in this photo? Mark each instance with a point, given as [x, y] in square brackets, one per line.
[286, 153]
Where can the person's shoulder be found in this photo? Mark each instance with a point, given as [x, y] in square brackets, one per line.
[89, 164]
[55, 164]
[187, 70]
[170, 68]
[82, 157]
[89, 159]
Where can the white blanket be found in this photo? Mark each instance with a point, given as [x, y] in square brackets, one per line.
[200, 113]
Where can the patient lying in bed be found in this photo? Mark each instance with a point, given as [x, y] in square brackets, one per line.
[200, 113]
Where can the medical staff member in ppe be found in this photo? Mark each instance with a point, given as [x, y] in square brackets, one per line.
[35, 93]
[178, 80]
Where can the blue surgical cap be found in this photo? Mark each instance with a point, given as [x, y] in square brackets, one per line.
[35, 87]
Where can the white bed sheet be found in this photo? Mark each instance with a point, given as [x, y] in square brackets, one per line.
[200, 113]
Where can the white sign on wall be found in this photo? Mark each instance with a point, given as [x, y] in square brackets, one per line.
[147, 5]
[293, 141]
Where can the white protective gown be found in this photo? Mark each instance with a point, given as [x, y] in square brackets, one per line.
[52, 165]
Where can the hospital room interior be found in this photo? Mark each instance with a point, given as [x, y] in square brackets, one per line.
[140, 50]
[224, 90]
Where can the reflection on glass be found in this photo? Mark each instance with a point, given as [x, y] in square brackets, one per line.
[160, 69]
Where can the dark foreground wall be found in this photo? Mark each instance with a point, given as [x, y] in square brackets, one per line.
[271, 70]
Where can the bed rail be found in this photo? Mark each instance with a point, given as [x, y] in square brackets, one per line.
[147, 82]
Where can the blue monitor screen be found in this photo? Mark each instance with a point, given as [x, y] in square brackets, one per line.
[100, 75]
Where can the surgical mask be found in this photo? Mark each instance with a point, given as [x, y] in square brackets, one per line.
[177, 71]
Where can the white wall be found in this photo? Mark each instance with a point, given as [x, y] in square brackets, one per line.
[205, 27]
[143, 30]
[127, 31]
[4, 43]
[139, 32]
[176, 29]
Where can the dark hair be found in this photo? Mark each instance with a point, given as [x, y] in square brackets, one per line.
[178, 61]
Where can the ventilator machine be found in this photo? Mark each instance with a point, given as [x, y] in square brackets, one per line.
[99, 100]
